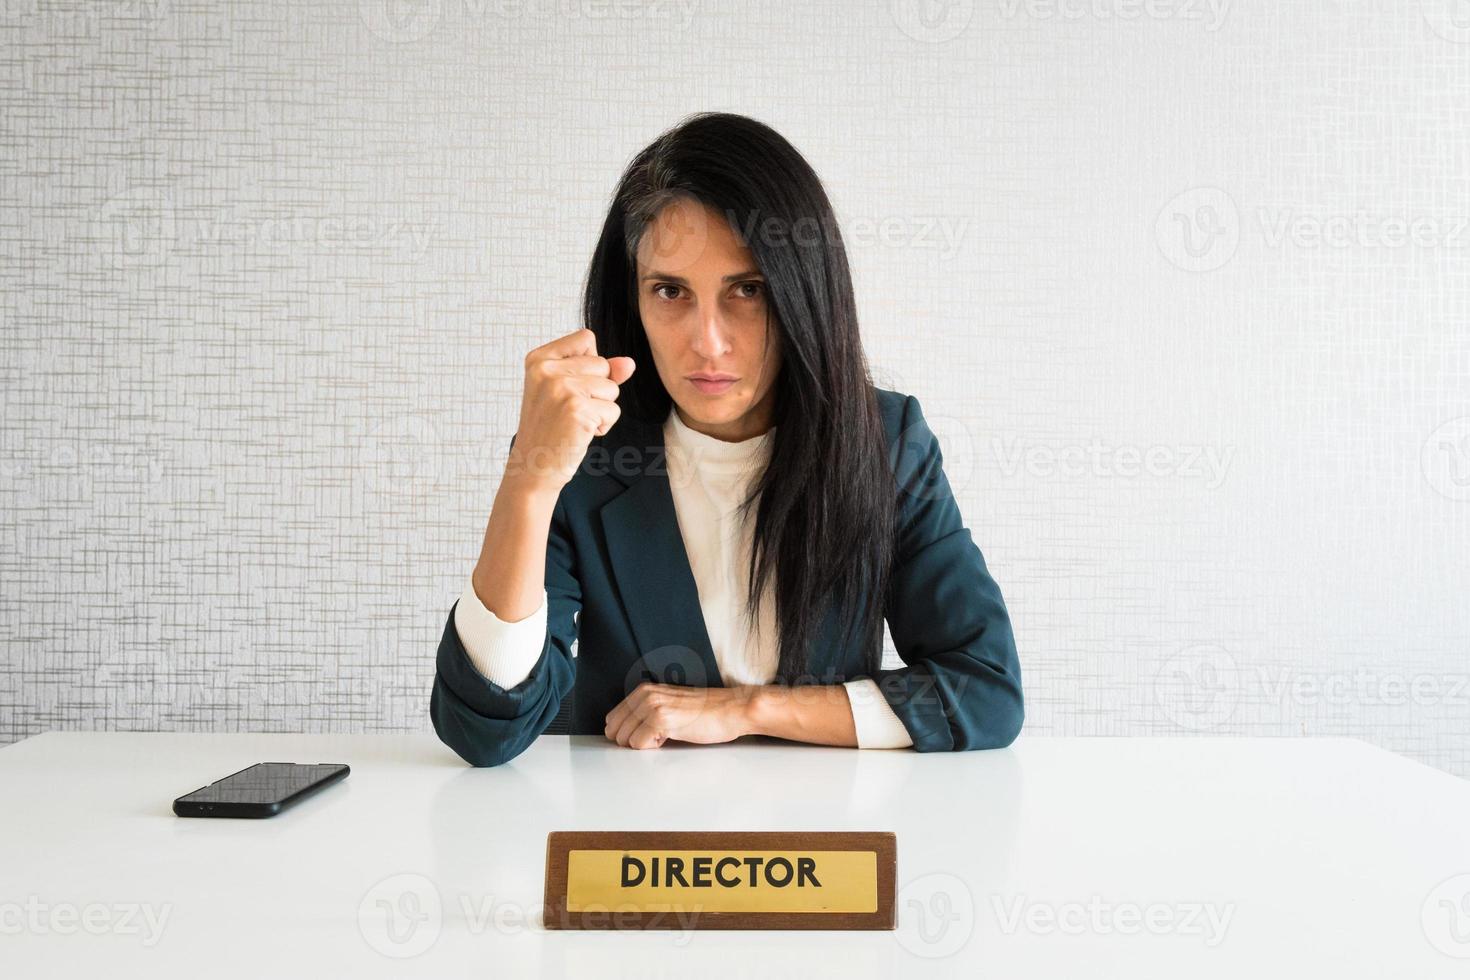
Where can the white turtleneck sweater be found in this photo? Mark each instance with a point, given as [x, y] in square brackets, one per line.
[708, 478]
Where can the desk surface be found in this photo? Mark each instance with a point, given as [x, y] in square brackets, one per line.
[1056, 857]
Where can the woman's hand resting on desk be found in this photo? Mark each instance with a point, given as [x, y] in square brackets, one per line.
[656, 713]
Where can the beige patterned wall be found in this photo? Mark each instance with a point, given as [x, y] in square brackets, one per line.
[1183, 285]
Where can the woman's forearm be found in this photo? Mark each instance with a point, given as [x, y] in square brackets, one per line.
[819, 714]
[510, 577]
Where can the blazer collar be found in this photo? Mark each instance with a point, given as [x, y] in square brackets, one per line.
[649, 561]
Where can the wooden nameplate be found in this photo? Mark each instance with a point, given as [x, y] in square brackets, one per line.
[720, 880]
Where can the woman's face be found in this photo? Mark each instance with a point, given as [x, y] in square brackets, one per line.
[704, 308]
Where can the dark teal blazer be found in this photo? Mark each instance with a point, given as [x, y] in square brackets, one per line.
[618, 583]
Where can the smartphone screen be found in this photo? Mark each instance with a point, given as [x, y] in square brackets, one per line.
[265, 786]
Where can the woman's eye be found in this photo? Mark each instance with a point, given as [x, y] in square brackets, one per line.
[755, 289]
[657, 290]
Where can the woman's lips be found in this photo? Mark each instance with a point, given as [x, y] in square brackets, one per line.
[712, 387]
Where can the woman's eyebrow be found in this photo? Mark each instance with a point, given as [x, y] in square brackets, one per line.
[747, 274]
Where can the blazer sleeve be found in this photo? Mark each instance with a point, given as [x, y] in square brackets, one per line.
[488, 724]
[961, 688]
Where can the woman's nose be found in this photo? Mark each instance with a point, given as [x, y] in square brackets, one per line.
[710, 337]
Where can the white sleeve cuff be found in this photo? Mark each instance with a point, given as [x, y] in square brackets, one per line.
[878, 727]
[505, 653]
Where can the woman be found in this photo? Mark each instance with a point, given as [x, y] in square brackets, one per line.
[709, 496]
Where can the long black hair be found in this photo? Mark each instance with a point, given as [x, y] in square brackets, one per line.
[824, 526]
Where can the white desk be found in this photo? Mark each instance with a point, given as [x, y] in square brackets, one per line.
[1055, 858]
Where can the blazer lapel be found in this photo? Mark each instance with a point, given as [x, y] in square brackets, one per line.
[650, 563]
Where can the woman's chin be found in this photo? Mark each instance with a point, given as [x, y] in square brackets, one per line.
[714, 411]
[709, 407]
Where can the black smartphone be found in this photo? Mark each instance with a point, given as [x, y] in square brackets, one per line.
[263, 790]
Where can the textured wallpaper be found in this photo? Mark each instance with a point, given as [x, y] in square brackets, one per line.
[1182, 285]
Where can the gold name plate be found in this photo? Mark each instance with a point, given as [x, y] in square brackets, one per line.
[720, 880]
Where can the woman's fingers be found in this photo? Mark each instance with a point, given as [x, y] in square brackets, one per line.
[645, 736]
[595, 387]
[629, 724]
[581, 364]
[604, 414]
[620, 368]
[582, 341]
[616, 369]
